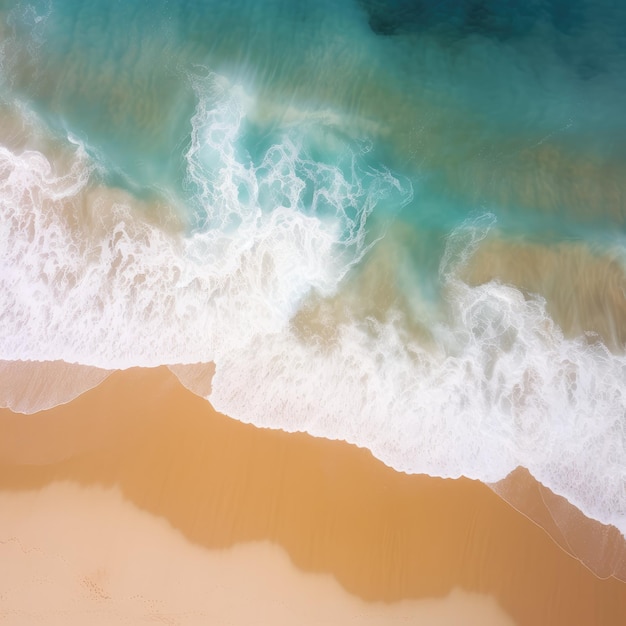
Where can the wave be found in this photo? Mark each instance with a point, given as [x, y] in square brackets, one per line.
[91, 265]
[279, 275]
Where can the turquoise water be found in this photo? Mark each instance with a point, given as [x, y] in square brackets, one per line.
[398, 223]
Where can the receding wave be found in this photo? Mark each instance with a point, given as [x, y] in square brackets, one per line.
[28, 387]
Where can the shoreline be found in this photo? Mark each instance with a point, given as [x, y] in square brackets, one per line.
[383, 535]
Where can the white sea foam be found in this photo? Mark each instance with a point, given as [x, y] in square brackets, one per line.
[85, 280]
[503, 389]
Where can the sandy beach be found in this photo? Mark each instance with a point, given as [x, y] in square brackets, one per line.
[270, 270]
[87, 556]
[142, 492]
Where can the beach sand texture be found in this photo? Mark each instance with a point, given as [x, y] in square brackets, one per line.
[136, 503]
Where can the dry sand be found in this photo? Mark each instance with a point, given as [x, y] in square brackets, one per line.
[85, 556]
[211, 507]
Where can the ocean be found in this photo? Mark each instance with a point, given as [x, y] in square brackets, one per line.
[391, 222]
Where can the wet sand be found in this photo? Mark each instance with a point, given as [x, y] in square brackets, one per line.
[232, 491]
